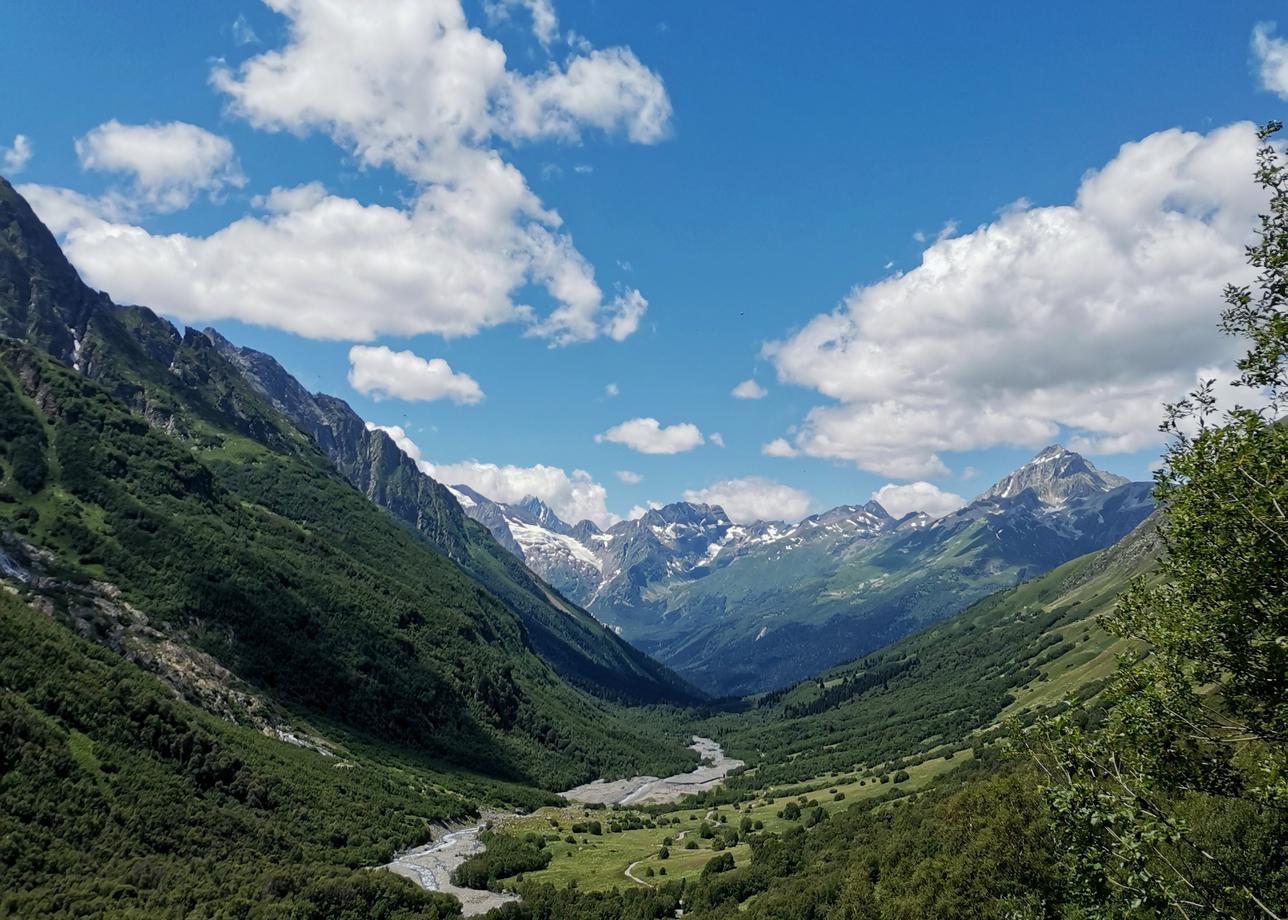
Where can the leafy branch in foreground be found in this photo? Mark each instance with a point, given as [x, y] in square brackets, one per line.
[1174, 802]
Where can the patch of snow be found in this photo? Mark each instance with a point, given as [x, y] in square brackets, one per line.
[464, 500]
[542, 542]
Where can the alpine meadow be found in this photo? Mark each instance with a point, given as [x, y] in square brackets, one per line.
[607, 462]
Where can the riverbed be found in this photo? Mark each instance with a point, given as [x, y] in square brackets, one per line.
[431, 865]
[651, 790]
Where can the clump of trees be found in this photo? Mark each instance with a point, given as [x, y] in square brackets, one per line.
[1174, 800]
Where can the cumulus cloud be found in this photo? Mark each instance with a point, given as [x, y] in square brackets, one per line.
[382, 372]
[748, 389]
[754, 499]
[411, 86]
[169, 164]
[573, 496]
[611, 390]
[779, 447]
[629, 478]
[971, 349]
[1271, 54]
[648, 436]
[17, 155]
[638, 511]
[917, 496]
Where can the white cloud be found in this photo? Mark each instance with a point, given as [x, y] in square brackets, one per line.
[647, 436]
[638, 511]
[1271, 53]
[779, 447]
[627, 310]
[754, 499]
[243, 33]
[748, 389]
[974, 347]
[607, 89]
[716, 438]
[611, 390]
[626, 476]
[573, 496]
[412, 86]
[17, 155]
[400, 437]
[169, 164]
[917, 496]
[545, 24]
[381, 372]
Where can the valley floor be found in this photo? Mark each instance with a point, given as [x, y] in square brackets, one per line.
[431, 866]
[649, 790]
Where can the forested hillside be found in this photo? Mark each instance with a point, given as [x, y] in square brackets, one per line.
[117, 797]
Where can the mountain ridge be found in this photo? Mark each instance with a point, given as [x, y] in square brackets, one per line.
[140, 456]
[669, 580]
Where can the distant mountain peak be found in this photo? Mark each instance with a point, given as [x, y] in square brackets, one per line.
[1055, 475]
[541, 514]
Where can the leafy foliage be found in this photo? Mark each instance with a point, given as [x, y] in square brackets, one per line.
[115, 797]
[286, 574]
[505, 856]
[1177, 803]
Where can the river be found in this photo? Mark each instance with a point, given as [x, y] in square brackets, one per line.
[431, 865]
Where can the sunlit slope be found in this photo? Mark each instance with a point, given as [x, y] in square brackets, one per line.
[1017, 650]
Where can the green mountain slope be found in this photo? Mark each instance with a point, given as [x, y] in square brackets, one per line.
[172, 382]
[1015, 652]
[117, 798]
[816, 595]
[152, 463]
[571, 640]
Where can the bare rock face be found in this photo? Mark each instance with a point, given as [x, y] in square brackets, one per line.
[1055, 476]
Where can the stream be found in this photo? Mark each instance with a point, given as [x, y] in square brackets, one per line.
[431, 865]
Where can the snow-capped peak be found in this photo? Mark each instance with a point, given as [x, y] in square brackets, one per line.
[1054, 475]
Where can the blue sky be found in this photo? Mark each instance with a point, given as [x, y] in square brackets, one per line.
[743, 167]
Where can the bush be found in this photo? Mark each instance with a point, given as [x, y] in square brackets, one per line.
[504, 857]
[901, 776]
[722, 863]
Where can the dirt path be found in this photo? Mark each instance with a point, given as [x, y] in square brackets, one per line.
[431, 865]
[630, 874]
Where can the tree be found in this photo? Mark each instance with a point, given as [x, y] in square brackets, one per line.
[1176, 801]
[722, 863]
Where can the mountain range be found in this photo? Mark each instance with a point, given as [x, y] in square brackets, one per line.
[267, 531]
[742, 608]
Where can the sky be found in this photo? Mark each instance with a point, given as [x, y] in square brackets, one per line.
[775, 258]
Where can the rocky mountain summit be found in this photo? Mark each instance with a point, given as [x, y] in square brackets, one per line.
[703, 593]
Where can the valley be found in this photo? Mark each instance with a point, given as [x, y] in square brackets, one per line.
[258, 661]
[432, 865]
[744, 608]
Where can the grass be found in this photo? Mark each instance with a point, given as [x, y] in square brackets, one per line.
[598, 863]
